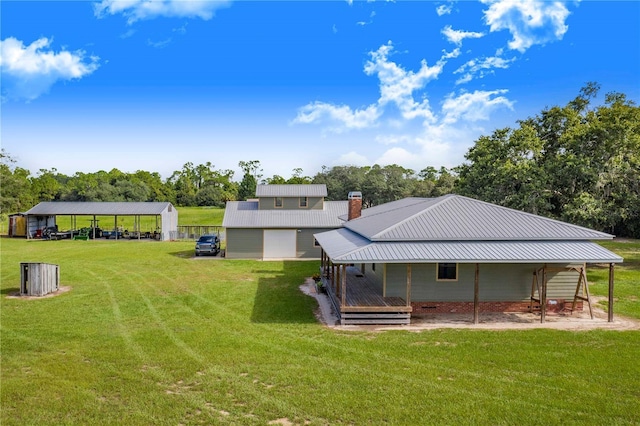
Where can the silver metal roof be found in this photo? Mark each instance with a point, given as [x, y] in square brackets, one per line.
[458, 218]
[345, 246]
[245, 214]
[52, 208]
[315, 190]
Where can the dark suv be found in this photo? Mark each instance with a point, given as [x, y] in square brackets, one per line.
[208, 244]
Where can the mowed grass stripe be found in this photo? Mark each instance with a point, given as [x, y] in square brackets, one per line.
[457, 372]
[249, 388]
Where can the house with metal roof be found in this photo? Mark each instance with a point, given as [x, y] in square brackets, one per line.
[44, 215]
[456, 254]
[280, 222]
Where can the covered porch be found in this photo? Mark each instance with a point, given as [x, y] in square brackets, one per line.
[357, 300]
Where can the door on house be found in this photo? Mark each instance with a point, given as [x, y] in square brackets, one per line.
[279, 243]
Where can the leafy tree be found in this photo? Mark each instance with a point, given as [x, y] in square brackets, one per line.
[575, 163]
[46, 186]
[251, 174]
[15, 195]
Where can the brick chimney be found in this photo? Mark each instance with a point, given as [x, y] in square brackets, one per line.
[355, 204]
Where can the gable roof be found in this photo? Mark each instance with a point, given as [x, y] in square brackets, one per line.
[245, 214]
[315, 190]
[52, 208]
[457, 218]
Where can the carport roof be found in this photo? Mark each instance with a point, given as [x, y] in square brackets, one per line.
[53, 208]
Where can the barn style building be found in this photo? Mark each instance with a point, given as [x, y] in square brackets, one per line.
[280, 222]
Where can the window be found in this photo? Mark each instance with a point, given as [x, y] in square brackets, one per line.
[315, 243]
[303, 201]
[447, 272]
[278, 202]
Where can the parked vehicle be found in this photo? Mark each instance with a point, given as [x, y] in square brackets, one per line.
[208, 244]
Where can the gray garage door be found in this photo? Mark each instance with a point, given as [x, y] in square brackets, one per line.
[279, 243]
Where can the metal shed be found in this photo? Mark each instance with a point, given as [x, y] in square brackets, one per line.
[44, 214]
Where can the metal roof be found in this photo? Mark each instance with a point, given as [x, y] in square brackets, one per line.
[52, 208]
[315, 190]
[245, 214]
[345, 246]
[458, 218]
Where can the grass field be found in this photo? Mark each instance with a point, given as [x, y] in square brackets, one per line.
[149, 335]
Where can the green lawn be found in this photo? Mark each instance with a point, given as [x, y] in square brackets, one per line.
[627, 278]
[200, 215]
[150, 335]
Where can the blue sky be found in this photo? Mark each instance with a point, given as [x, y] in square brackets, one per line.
[151, 85]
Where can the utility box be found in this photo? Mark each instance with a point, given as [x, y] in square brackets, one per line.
[39, 279]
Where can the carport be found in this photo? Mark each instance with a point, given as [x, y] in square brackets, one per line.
[44, 215]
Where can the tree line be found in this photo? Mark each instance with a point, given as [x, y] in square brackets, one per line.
[577, 163]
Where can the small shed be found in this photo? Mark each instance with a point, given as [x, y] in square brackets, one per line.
[39, 279]
[17, 225]
[44, 214]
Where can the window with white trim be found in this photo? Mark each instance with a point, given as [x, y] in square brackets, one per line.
[447, 272]
[304, 202]
[278, 202]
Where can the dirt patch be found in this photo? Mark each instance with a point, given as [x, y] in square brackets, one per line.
[579, 321]
[61, 290]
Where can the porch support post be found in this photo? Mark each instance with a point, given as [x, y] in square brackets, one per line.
[93, 227]
[408, 284]
[343, 299]
[333, 277]
[476, 286]
[610, 313]
[115, 225]
[543, 296]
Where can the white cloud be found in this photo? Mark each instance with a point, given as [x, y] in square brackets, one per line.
[444, 9]
[456, 36]
[161, 44]
[341, 114]
[478, 68]
[442, 136]
[30, 71]
[530, 22]
[353, 159]
[135, 10]
[473, 106]
[392, 139]
[397, 85]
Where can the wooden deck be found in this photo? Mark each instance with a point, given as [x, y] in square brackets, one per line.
[364, 303]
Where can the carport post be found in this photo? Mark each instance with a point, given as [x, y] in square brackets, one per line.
[115, 226]
[610, 313]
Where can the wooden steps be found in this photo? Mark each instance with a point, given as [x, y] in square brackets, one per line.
[375, 318]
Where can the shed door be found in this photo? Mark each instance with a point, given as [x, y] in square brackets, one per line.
[279, 243]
